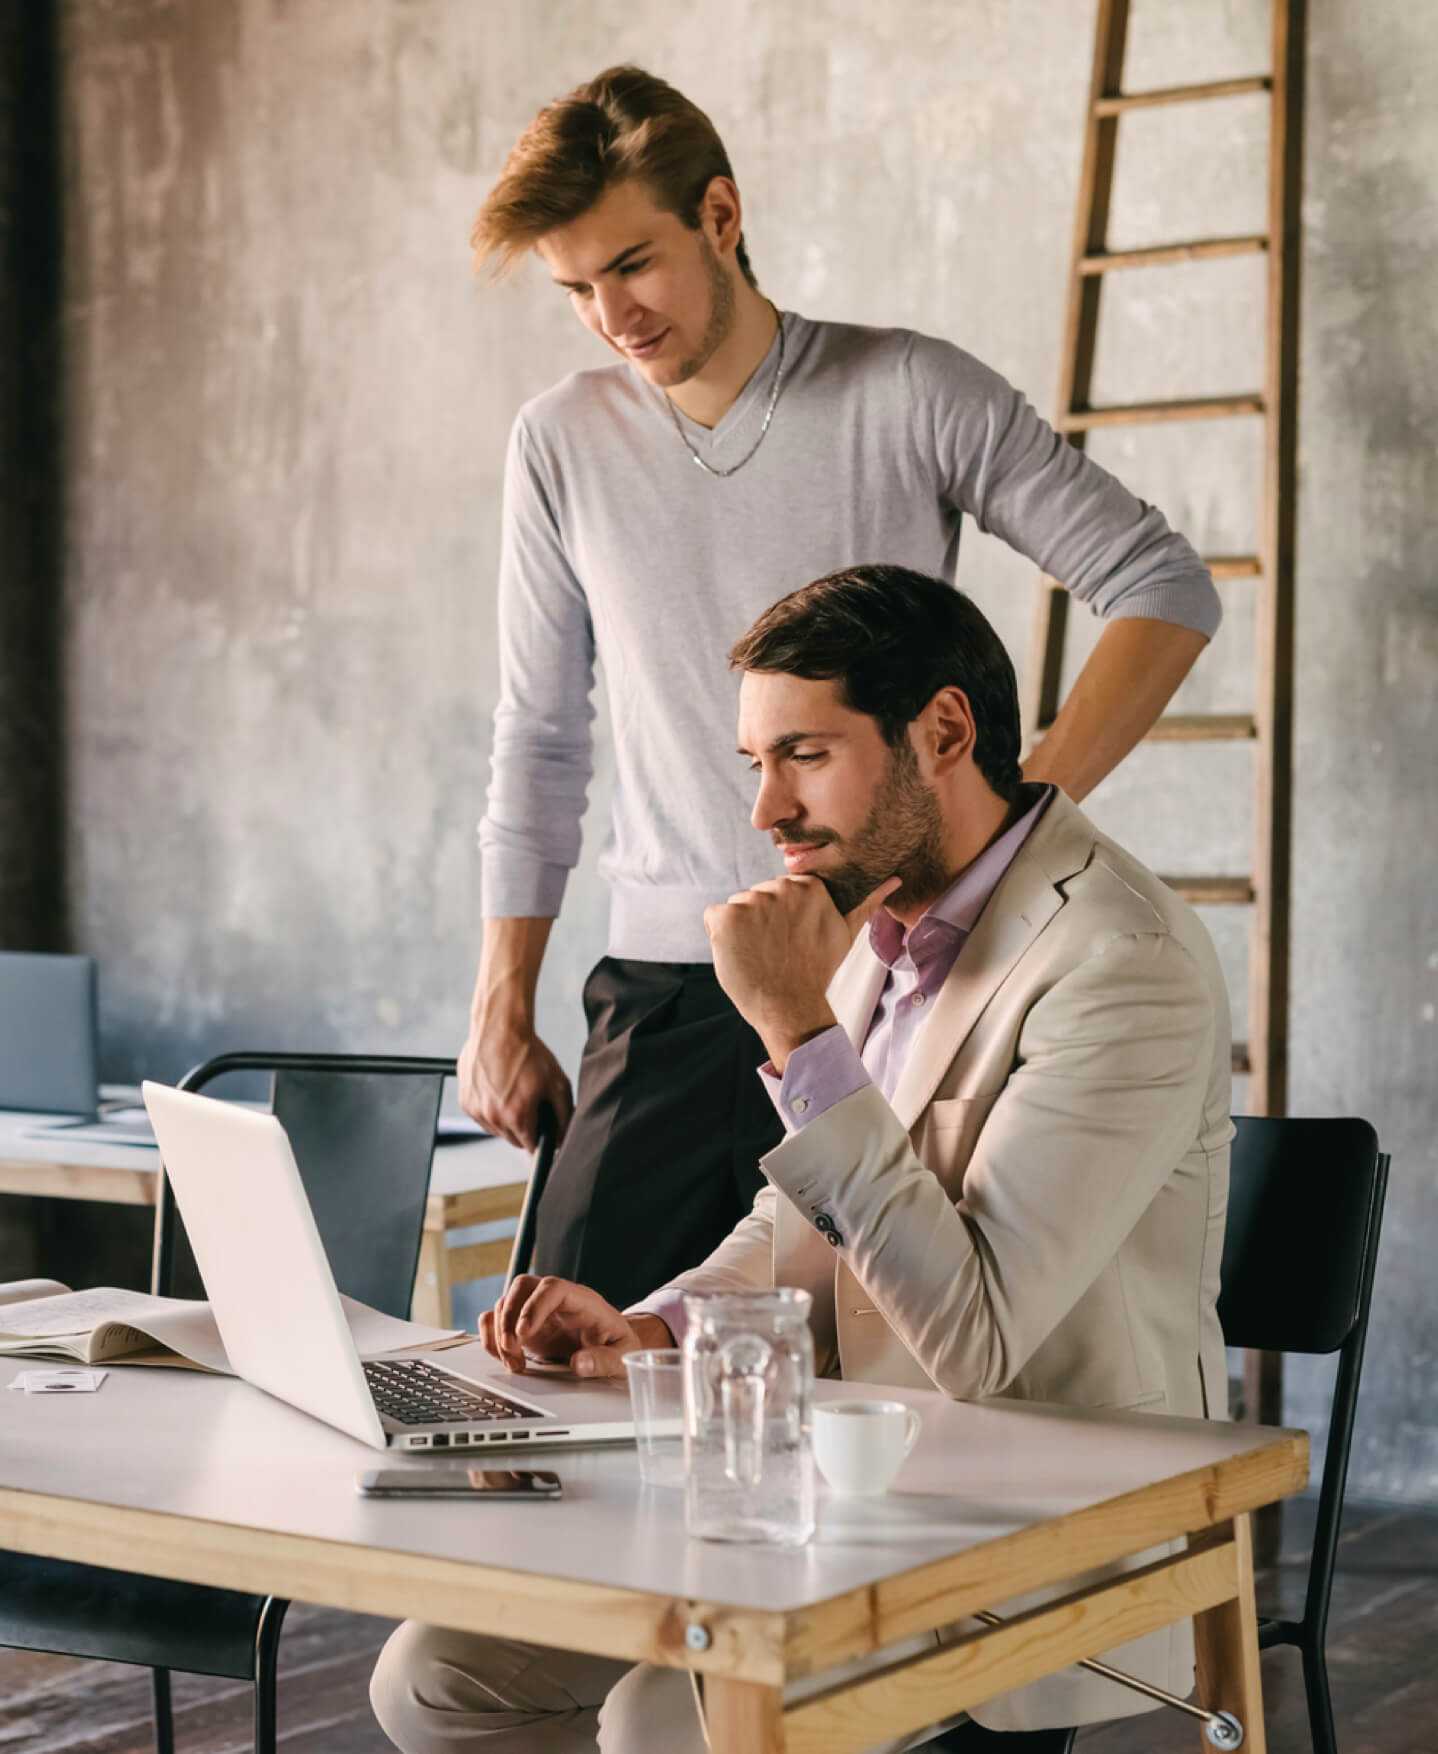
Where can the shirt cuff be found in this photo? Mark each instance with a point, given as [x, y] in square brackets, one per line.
[669, 1307]
[1191, 601]
[817, 1075]
[513, 886]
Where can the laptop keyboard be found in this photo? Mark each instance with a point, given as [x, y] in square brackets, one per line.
[413, 1392]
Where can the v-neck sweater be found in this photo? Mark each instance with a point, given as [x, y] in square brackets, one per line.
[618, 549]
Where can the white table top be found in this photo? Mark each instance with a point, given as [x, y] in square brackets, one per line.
[458, 1168]
[217, 1449]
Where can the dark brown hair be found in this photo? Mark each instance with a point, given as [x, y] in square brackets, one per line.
[892, 639]
[623, 124]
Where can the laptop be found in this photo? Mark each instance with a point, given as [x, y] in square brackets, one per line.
[47, 1034]
[275, 1303]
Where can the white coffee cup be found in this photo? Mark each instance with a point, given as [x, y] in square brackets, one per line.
[860, 1445]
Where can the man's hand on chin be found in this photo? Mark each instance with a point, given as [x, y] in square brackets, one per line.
[776, 948]
[559, 1322]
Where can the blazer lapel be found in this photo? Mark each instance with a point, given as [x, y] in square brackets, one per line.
[854, 990]
[1027, 898]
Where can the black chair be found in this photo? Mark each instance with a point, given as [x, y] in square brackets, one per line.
[1304, 1213]
[362, 1129]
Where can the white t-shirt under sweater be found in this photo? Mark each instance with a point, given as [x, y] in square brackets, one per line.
[616, 543]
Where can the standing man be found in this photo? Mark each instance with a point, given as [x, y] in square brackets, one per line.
[653, 508]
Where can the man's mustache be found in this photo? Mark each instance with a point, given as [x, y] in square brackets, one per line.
[823, 837]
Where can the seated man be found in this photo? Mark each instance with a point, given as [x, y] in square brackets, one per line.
[1000, 1049]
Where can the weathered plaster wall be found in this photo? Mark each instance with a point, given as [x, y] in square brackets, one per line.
[288, 400]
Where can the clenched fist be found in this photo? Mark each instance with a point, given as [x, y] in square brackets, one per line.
[776, 948]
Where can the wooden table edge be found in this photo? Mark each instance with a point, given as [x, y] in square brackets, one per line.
[607, 1620]
[861, 1621]
[753, 1645]
[41, 1178]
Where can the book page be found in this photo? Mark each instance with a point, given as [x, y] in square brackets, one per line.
[74, 1312]
[24, 1290]
[376, 1333]
[105, 1323]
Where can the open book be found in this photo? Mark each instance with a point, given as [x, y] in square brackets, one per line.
[40, 1318]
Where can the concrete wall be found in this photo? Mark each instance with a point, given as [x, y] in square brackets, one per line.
[288, 400]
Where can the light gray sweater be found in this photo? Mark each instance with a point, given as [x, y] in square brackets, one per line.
[617, 545]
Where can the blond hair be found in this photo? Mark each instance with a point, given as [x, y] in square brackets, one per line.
[623, 124]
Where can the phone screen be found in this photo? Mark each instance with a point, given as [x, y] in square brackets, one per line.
[459, 1483]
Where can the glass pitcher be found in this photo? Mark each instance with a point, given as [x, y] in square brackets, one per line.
[748, 1384]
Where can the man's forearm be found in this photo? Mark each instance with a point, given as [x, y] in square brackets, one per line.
[509, 969]
[1129, 678]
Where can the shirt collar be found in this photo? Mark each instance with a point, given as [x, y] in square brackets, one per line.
[956, 912]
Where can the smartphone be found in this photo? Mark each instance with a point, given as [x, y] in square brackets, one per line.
[458, 1483]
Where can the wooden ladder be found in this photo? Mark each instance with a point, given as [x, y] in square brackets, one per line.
[1264, 1057]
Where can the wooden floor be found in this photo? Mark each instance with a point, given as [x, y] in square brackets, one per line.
[1382, 1646]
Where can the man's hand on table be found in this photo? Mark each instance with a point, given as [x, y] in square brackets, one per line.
[556, 1321]
[776, 948]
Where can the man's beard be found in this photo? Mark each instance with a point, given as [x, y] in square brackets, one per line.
[721, 315]
[902, 836]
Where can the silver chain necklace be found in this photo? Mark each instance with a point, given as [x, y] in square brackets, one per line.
[709, 468]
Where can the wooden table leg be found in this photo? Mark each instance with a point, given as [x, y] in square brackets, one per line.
[431, 1300]
[745, 1717]
[1226, 1640]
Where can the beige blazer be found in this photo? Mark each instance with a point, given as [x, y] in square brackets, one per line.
[1039, 1214]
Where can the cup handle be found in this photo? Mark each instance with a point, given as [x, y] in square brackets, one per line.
[915, 1426]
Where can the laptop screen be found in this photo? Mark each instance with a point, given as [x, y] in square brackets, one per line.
[47, 1033]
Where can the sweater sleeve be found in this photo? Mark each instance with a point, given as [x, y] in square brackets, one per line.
[997, 460]
[543, 748]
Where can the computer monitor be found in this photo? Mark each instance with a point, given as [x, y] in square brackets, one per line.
[48, 1031]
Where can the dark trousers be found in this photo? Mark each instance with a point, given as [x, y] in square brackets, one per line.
[661, 1159]
[972, 1738]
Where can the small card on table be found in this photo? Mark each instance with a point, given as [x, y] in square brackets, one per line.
[59, 1382]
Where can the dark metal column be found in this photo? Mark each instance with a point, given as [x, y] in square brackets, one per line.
[32, 893]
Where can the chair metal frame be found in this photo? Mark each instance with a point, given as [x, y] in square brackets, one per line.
[1308, 1634]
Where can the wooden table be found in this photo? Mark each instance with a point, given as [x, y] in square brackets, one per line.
[478, 1181]
[206, 1479]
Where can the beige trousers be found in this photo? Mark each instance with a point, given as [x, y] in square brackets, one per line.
[436, 1691]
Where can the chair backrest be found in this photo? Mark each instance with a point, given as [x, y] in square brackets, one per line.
[362, 1130]
[1299, 1258]
[1304, 1204]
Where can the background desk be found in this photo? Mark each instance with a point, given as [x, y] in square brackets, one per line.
[473, 1182]
[207, 1480]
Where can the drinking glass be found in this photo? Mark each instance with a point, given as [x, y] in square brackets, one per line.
[656, 1395]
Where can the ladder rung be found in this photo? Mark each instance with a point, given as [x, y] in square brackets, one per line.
[1204, 728]
[1200, 250]
[1212, 891]
[1233, 566]
[1196, 728]
[1242, 1065]
[1146, 413]
[1181, 94]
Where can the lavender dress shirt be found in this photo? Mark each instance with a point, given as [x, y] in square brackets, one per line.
[829, 1068]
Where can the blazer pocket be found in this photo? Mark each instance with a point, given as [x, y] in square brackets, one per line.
[949, 1132]
[958, 1111]
[1154, 1398]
